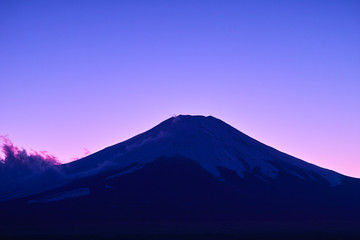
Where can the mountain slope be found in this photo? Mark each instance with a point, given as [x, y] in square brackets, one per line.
[208, 141]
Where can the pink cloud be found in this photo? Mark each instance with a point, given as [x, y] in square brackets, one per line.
[86, 153]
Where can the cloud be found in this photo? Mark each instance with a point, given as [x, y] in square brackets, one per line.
[17, 162]
[86, 153]
[24, 173]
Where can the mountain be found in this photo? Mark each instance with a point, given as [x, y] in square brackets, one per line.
[187, 171]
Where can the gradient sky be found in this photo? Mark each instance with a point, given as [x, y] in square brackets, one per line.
[89, 74]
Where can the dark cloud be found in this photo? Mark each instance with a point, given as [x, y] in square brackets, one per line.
[17, 162]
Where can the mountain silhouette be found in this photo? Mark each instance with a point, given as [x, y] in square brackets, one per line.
[190, 170]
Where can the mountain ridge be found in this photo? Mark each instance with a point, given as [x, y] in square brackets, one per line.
[173, 130]
[207, 140]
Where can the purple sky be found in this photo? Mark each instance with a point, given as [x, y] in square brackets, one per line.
[89, 74]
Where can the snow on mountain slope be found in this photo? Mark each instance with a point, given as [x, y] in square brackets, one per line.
[208, 141]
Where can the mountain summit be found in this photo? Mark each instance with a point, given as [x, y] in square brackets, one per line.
[187, 168]
[209, 142]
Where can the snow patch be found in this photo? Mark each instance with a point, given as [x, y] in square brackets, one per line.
[121, 173]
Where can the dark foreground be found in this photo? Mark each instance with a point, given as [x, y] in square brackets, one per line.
[270, 236]
[165, 231]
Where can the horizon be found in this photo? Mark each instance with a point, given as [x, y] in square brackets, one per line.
[76, 78]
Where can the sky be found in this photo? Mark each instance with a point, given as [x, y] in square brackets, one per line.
[78, 76]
